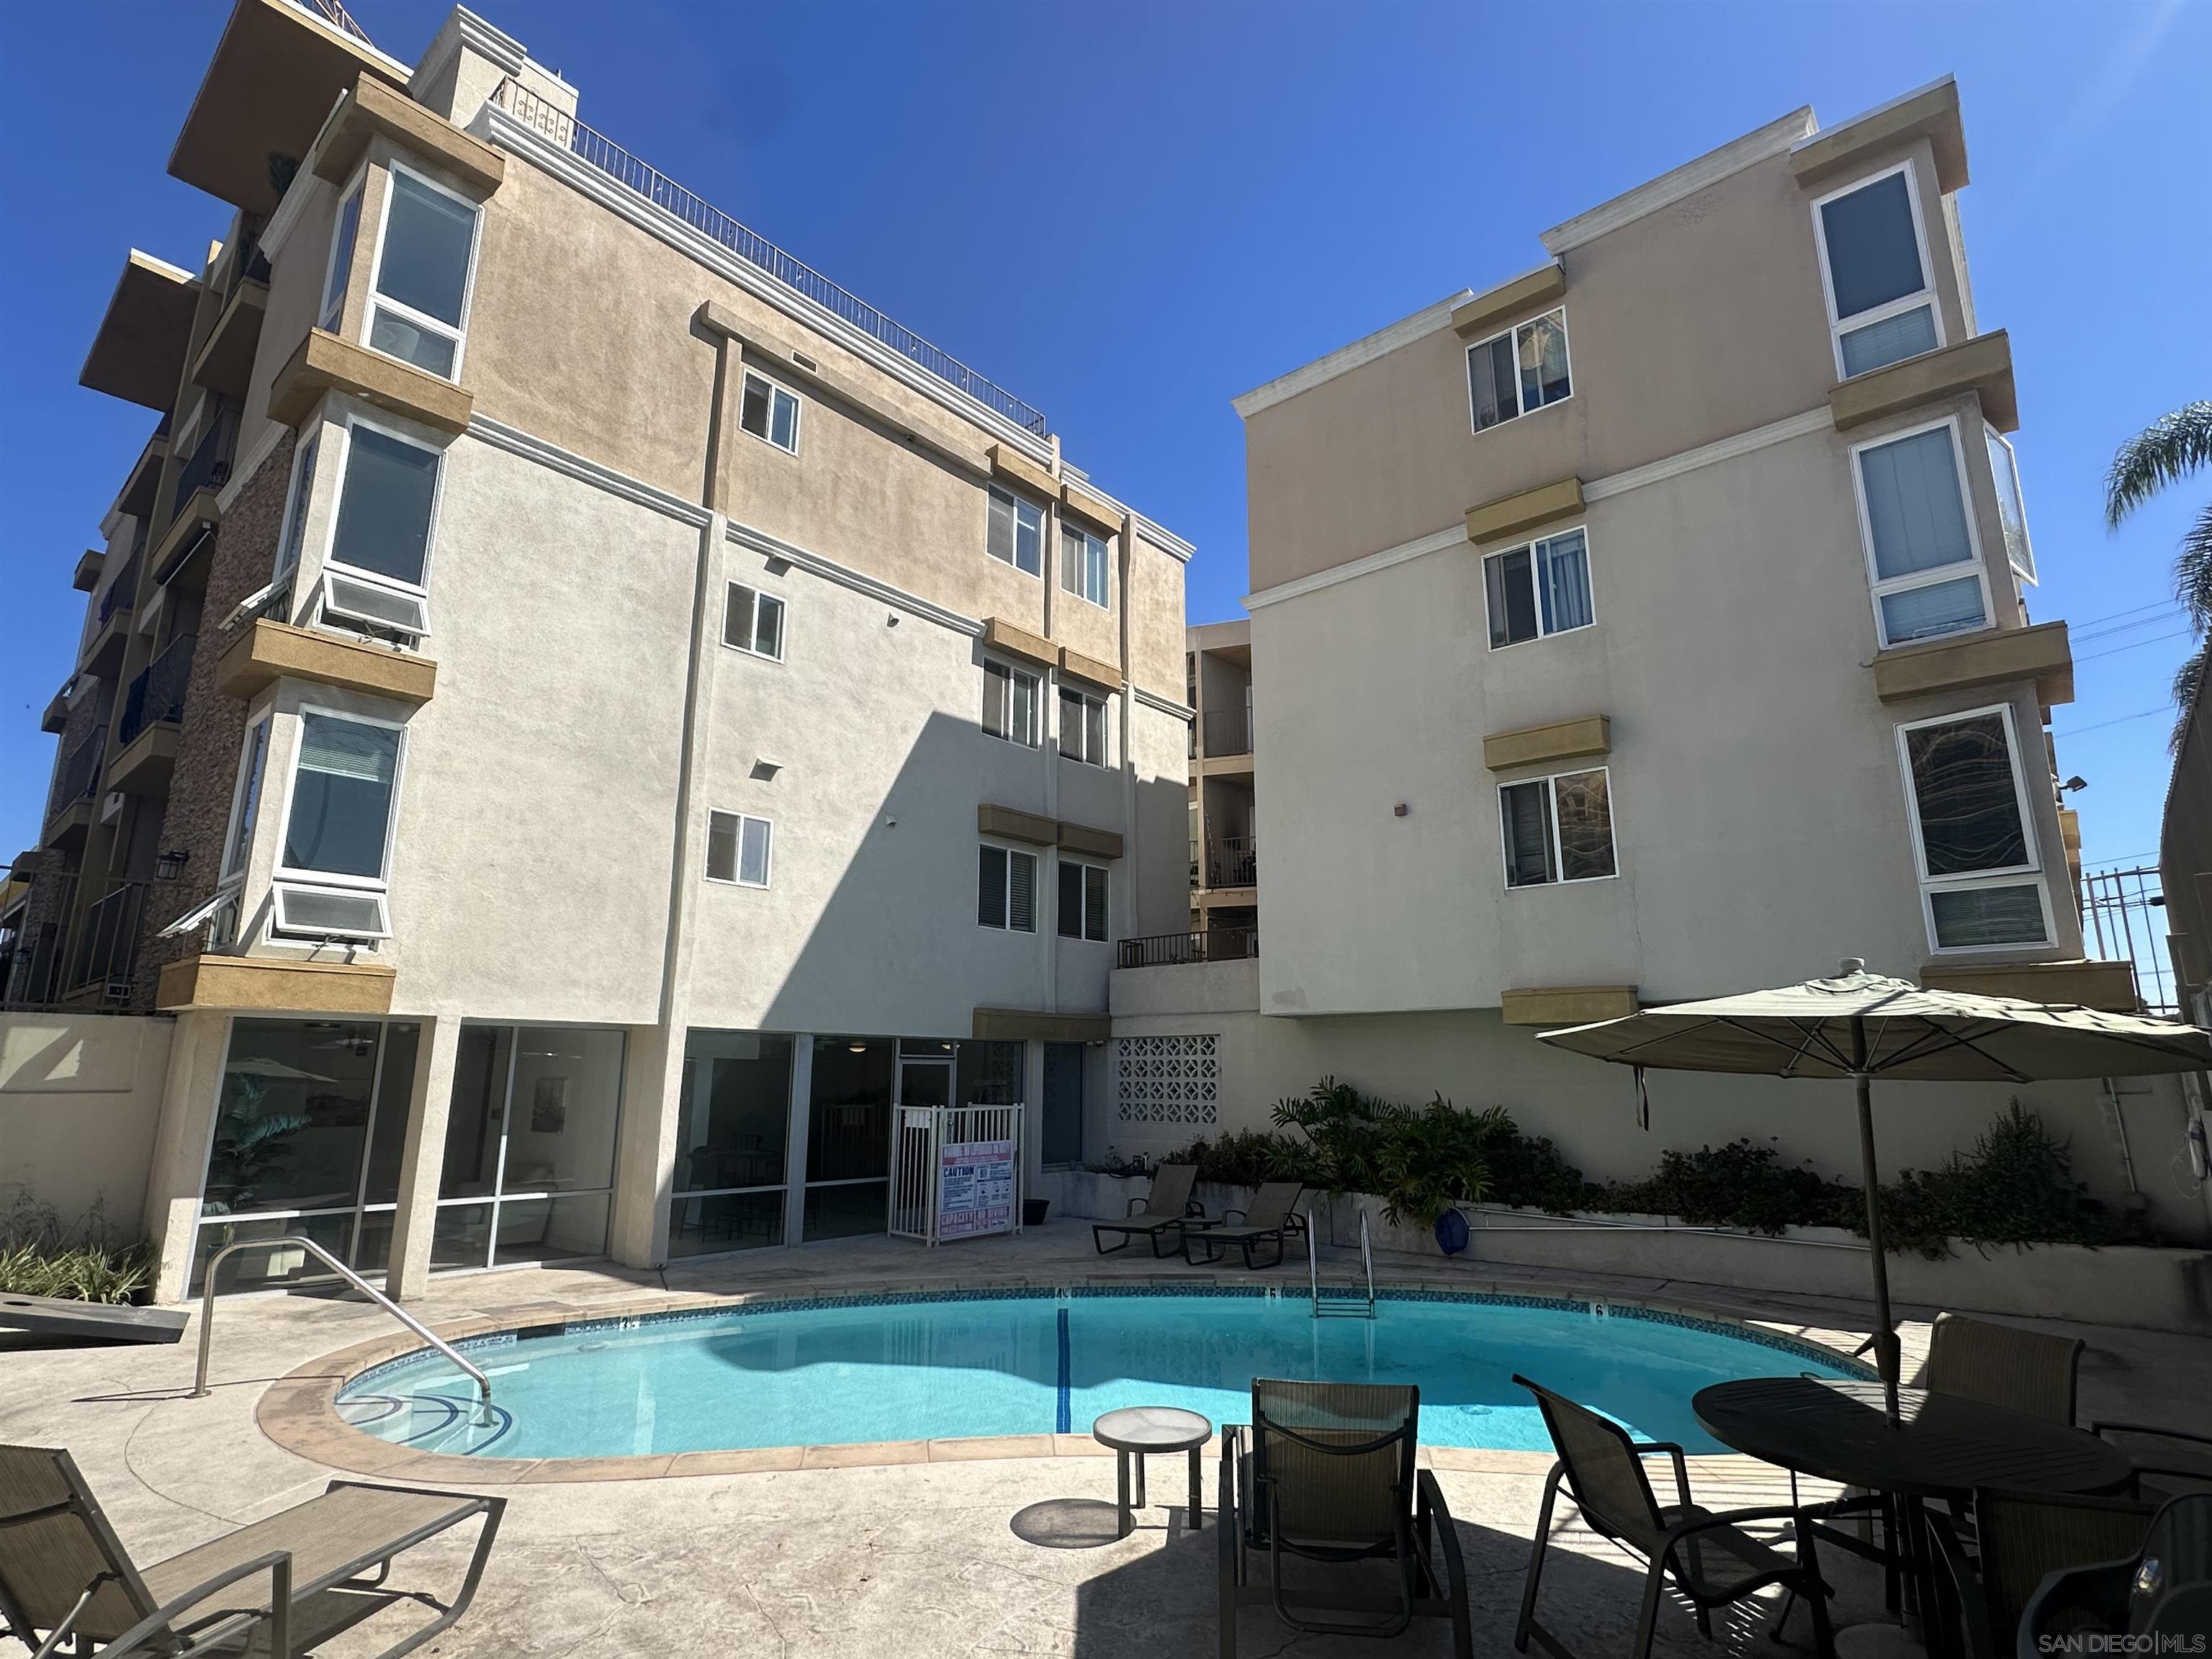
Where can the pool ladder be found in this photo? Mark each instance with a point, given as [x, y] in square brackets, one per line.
[1347, 1301]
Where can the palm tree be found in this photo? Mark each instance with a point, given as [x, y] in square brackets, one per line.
[2166, 451]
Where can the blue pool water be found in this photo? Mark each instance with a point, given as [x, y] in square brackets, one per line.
[923, 1369]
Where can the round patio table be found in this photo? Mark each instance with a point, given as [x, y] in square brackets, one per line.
[1942, 1446]
[1136, 1430]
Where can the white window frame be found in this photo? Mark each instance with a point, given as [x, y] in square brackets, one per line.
[1105, 704]
[1926, 296]
[281, 892]
[2009, 875]
[1037, 869]
[1996, 440]
[252, 756]
[1589, 575]
[1014, 670]
[1044, 532]
[774, 386]
[357, 188]
[306, 459]
[730, 589]
[737, 878]
[1879, 589]
[1550, 781]
[346, 422]
[288, 874]
[1089, 540]
[1521, 411]
[1081, 935]
[374, 298]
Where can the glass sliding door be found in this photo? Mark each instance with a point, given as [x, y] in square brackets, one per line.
[732, 1140]
[1060, 1120]
[848, 1136]
[310, 1121]
[529, 1145]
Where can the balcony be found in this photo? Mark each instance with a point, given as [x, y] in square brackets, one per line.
[1228, 733]
[104, 952]
[210, 466]
[69, 803]
[148, 731]
[123, 592]
[1177, 950]
[1232, 861]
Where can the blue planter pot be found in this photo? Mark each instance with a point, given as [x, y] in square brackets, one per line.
[1451, 1232]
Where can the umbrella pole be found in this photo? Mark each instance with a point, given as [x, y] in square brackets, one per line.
[1885, 1331]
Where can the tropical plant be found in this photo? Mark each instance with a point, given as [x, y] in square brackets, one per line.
[84, 1262]
[249, 1146]
[2164, 453]
[1435, 1158]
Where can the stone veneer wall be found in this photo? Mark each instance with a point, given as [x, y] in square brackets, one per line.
[214, 725]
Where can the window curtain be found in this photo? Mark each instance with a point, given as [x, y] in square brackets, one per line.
[1543, 361]
[1914, 508]
[991, 887]
[1891, 340]
[1564, 563]
[1922, 613]
[1490, 377]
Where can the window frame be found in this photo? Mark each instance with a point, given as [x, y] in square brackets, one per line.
[1994, 441]
[1529, 547]
[1878, 587]
[307, 456]
[1088, 868]
[374, 298]
[1044, 530]
[353, 194]
[2009, 875]
[1550, 781]
[1065, 691]
[737, 876]
[1924, 295]
[1013, 671]
[328, 560]
[774, 386]
[1007, 908]
[253, 759]
[731, 586]
[279, 892]
[1513, 330]
[1089, 541]
[290, 875]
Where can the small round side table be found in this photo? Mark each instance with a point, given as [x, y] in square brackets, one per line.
[1136, 1430]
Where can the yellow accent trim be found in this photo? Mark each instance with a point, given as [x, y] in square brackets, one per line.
[371, 109]
[1994, 657]
[1018, 1025]
[1009, 824]
[1488, 313]
[253, 984]
[2108, 986]
[1007, 462]
[325, 363]
[999, 634]
[1933, 114]
[1982, 365]
[272, 650]
[1589, 738]
[1090, 668]
[1568, 1004]
[1531, 509]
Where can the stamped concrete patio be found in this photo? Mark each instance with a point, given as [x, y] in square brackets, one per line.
[843, 1551]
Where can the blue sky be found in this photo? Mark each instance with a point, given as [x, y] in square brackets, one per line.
[1128, 214]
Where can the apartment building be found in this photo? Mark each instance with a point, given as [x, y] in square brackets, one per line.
[590, 715]
[1657, 624]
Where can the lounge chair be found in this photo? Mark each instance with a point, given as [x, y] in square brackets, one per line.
[2024, 1537]
[2003, 1366]
[1168, 1208]
[1704, 1555]
[1272, 1217]
[1325, 1474]
[276, 1588]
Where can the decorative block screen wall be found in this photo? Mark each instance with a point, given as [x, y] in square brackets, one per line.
[1166, 1079]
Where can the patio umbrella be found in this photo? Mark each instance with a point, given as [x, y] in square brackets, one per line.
[1861, 1026]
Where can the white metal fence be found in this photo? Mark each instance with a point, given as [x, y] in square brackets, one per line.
[956, 1172]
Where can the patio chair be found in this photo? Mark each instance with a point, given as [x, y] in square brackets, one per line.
[2194, 1452]
[276, 1588]
[1167, 1208]
[1703, 1554]
[2003, 1366]
[1325, 1474]
[1272, 1218]
[2024, 1536]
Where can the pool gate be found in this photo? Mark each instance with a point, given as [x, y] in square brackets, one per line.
[956, 1172]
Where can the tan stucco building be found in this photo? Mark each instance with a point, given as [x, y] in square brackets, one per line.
[633, 714]
[1655, 624]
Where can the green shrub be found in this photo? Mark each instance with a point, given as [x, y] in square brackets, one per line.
[1738, 1185]
[40, 1255]
[2015, 1186]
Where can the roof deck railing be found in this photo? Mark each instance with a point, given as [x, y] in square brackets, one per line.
[552, 122]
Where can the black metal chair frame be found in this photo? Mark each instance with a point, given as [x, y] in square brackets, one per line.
[1294, 1226]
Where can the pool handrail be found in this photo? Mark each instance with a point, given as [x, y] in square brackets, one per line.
[200, 1389]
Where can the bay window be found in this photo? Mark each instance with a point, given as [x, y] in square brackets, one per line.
[340, 269]
[335, 860]
[1519, 371]
[1558, 828]
[2004, 467]
[1973, 838]
[1875, 267]
[376, 577]
[1543, 588]
[425, 254]
[1922, 552]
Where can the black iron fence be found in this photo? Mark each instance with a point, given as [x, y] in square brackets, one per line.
[123, 592]
[78, 774]
[1201, 945]
[158, 693]
[210, 466]
[1233, 861]
[53, 955]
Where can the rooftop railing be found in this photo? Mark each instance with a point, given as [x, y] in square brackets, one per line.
[551, 122]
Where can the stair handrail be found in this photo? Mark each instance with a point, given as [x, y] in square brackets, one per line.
[1367, 1262]
[200, 1389]
[1313, 1265]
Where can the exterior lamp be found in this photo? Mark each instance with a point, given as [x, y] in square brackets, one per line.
[171, 864]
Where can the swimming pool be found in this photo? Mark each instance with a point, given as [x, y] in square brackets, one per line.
[840, 1371]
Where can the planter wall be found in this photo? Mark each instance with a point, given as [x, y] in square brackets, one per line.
[2163, 1289]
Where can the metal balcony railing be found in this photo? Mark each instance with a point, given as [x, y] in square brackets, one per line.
[210, 466]
[1232, 861]
[1228, 731]
[123, 592]
[1201, 945]
[77, 775]
[106, 944]
[603, 152]
[158, 693]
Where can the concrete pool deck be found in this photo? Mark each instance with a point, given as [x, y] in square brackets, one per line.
[842, 1551]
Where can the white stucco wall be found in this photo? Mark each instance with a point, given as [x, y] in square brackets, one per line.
[80, 1094]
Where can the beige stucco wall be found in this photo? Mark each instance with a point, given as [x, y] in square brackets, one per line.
[80, 1094]
[1588, 1108]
